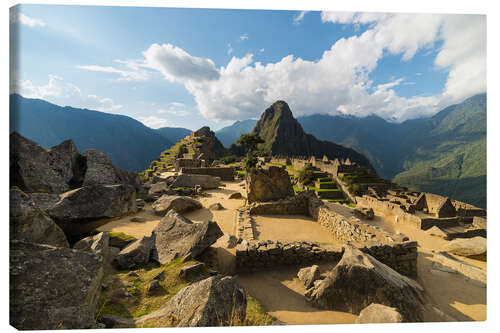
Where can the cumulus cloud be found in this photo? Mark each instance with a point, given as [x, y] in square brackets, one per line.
[261, 50]
[176, 65]
[229, 49]
[60, 92]
[18, 17]
[299, 17]
[244, 37]
[153, 121]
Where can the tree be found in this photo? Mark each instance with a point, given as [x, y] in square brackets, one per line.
[250, 142]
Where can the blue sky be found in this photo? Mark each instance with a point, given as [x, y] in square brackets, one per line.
[194, 67]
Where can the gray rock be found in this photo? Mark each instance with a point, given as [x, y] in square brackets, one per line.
[214, 301]
[309, 275]
[53, 288]
[378, 313]
[216, 206]
[359, 280]
[31, 224]
[176, 203]
[153, 285]
[159, 187]
[235, 195]
[82, 210]
[192, 272]
[101, 171]
[268, 184]
[138, 219]
[119, 242]
[30, 167]
[65, 160]
[229, 241]
[99, 244]
[468, 247]
[160, 276]
[135, 254]
[191, 180]
[176, 236]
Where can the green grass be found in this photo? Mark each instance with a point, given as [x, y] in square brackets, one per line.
[256, 315]
[121, 235]
[335, 200]
[297, 189]
[141, 302]
[241, 172]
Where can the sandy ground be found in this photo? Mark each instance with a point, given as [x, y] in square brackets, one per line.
[289, 228]
[281, 293]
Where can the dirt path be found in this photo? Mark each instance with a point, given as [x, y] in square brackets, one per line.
[282, 295]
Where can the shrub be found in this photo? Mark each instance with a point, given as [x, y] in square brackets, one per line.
[306, 175]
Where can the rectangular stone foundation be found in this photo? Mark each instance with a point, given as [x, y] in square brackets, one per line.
[226, 174]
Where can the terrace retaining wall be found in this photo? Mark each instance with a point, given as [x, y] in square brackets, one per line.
[226, 174]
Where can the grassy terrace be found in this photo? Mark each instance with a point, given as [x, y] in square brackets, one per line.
[143, 302]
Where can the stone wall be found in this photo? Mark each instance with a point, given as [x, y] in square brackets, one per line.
[264, 255]
[305, 203]
[269, 254]
[389, 208]
[464, 209]
[270, 184]
[188, 163]
[226, 174]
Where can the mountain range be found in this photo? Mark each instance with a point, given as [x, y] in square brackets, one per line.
[129, 144]
[444, 154]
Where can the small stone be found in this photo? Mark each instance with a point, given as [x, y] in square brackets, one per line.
[138, 219]
[133, 274]
[236, 195]
[216, 206]
[122, 292]
[153, 285]
[160, 276]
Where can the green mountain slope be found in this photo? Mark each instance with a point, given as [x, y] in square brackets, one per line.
[130, 145]
[283, 135]
[447, 153]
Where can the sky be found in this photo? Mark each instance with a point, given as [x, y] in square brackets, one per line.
[188, 68]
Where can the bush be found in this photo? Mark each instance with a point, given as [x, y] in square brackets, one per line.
[229, 159]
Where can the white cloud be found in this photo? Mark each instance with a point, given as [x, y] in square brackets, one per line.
[137, 75]
[18, 17]
[244, 37]
[229, 49]
[153, 121]
[177, 65]
[60, 92]
[261, 50]
[176, 109]
[299, 17]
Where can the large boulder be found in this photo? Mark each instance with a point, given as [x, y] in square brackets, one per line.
[99, 244]
[359, 280]
[176, 236]
[268, 184]
[101, 171]
[29, 223]
[53, 288]
[308, 275]
[159, 187]
[65, 160]
[180, 204]
[84, 209]
[191, 180]
[378, 313]
[215, 301]
[135, 254]
[30, 168]
[468, 247]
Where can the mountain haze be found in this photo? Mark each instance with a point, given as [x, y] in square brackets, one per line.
[173, 134]
[229, 134]
[129, 144]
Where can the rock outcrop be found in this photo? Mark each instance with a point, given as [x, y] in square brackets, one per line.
[268, 184]
[468, 247]
[30, 224]
[135, 254]
[215, 301]
[98, 244]
[101, 171]
[179, 204]
[176, 236]
[83, 209]
[308, 275]
[359, 280]
[30, 168]
[378, 313]
[53, 288]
